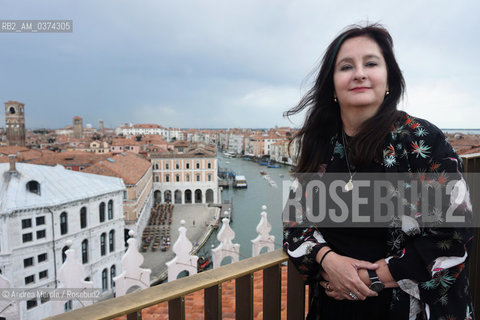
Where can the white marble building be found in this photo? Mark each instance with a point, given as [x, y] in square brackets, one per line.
[236, 143]
[41, 208]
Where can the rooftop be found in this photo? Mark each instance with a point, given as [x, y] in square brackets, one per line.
[56, 186]
[128, 166]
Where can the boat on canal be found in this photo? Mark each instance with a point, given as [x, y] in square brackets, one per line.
[240, 182]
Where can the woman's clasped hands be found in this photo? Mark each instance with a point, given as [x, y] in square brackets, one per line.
[346, 278]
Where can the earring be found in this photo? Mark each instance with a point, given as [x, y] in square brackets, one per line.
[387, 93]
[335, 99]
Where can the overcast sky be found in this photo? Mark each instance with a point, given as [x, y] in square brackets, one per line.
[217, 64]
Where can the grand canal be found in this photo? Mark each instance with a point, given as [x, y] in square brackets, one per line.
[247, 203]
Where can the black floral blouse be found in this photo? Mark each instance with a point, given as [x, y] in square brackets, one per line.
[427, 262]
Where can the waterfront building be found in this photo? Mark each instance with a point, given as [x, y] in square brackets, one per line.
[236, 143]
[41, 208]
[186, 175]
[222, 139]
[136, 173]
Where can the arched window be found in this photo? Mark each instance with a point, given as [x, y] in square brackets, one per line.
[167, 178]
[198, 165]
[110, 209]
[111, 240]
[177, 178]
[156, 166]
[33, 186]
[104, 280]
[198, 177]
[103, 247]
[177, 165]
[187, 165]
[101, 212]
[209, 165]
[156, 179]
[85, 251]
[63, 223]
[187, 177]
[113, 272]
[167, 166]
[64, 255]
[83, 217]
[209, 177]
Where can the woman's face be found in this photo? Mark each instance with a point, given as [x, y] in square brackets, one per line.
[360, 75]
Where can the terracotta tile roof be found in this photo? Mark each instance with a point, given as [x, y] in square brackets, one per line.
[194, 302]
[464, 143]
[125, 142]
[128, 166]
[147, 125]
[23, 154]
[70, 158]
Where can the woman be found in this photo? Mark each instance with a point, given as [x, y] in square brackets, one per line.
[353, 126]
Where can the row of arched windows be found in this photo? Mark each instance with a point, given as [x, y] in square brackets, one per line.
[103, 246]
[187, 178]
[83, 216]
[187, 165]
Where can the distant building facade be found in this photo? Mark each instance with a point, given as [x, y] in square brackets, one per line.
[77, 127]
[187, 176]
[15, 123]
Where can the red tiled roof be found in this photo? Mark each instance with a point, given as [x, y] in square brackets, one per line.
[128, 166]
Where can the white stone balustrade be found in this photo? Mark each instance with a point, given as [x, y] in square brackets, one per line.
[264, 239]
[132, 275]
[226, 248]
[183, 261]
[71, 275]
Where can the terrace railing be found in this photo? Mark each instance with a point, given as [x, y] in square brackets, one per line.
[211, 282]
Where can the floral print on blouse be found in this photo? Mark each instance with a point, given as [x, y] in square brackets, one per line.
[427, 262]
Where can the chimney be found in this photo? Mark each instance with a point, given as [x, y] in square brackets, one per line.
[11, 158]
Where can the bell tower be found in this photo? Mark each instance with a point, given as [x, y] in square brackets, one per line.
[15, 123]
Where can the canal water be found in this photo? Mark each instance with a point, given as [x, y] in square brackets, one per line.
[248, 202]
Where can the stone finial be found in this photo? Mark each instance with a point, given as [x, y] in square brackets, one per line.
[132, 274]
[264, 239]
[71, 275]
[183, 261]
[226, 248]
[9, 308]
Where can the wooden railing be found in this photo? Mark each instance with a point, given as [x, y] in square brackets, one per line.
[211, 281]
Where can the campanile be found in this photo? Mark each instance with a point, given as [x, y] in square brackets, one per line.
[15, 123]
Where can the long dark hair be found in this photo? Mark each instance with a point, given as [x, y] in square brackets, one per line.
[323, 120]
